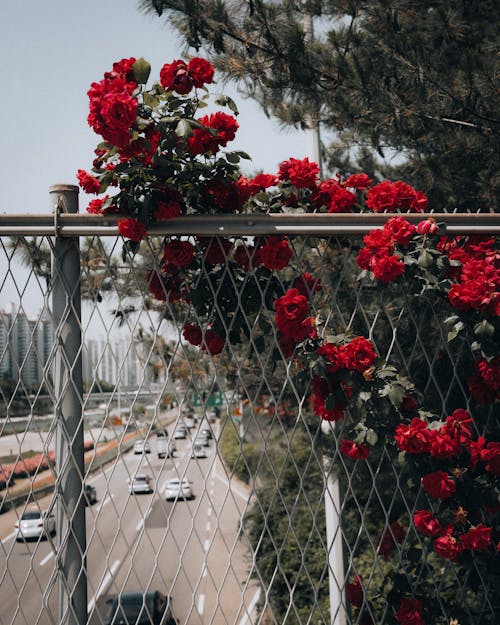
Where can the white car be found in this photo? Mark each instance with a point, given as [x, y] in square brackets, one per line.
[176, 488]
[141, 483]
[202, 440]
[189, 421]
[35, 524]
[180, 432]
[142, 447]
[198, 451]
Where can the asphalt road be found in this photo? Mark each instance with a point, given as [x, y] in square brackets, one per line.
[190, 550]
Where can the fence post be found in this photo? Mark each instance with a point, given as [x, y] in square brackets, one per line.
[68, 388]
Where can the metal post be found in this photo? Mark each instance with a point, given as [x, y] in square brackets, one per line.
[68, 388]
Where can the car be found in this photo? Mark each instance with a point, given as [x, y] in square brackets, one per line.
[189, 421]
[198, 451]
[35, 524]
[202, 440]
[180, 432]
[90, 495]
[142, 447]
[162, 433]
[138, 608]
[165, 449]
[177, 488]
[207, 432]
[141, 483]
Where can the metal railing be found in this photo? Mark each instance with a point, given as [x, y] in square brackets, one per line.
[227, 556]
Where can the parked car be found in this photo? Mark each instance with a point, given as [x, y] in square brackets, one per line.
[35, 524]
[141, 483]
[176, 488]
[180, 432]
[90, 495]
[165, 448]
[198, 451]
[142, 447]
[137, 608]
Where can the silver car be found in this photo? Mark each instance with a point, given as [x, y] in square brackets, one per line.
[35, 524]
[177, 488]
[141, 483]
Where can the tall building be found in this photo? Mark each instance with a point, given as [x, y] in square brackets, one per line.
[25, 347]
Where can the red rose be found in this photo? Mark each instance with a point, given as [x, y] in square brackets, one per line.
[353, 450]
[203, 141]
[201, 71]
[419, 202]
[131, 229]
[333, 357]
[276, 253]
[480, 391]
[379, 240]
[394, 533]
[301, 173]
[354, 592]
[178, 253]
[473, 294]
[410, 612]
[322, 390]
[428, 226]
[156, 285]
[387, 268]
[359, 354]
[291, 310]
[438, 485]
[459, 425]
[307, 285]
[444, 446]
[477, 538]
[213, 343]
[358, 181]
[122, 69]
[408, 404]
[426, 523]
[243, 255]
[382, 197]
[87, 182]
[119, 111]
[400, 230]
[414, 438]
[448, 547]
[491, 456]
[175, 77]
[168, 210]
[341, 200]
[215, 250]
[192, 333]
[95, 206]
[260, 182]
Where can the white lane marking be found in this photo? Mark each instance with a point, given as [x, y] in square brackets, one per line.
[46, 559]
[140, 525]
[209, 513]
[206, 545]
[248, 613]
[108, 578]
[201, 604]
[11, 535]
[207, 529]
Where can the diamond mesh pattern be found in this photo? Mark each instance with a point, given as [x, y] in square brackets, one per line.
[278, 521]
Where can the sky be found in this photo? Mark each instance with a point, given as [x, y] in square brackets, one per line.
[51, 53]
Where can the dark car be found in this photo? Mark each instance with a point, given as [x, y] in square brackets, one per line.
[137, 608]
[90, 495]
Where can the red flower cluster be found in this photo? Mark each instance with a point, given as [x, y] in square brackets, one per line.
[87, 182]
[219, 129]
[410, 612]
[275, 253]
[393, 196]
[303, 174]
[354, 450]
[131, 229]
[378, 253]
[113, 108]
[212, 343]
[393, 534]
[332, 194]
[292, 320]
[181, 77]
[178, 253]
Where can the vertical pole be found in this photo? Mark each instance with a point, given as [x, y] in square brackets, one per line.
[68, 388]
[336, 570]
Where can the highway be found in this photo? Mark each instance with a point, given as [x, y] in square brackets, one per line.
[189, 550]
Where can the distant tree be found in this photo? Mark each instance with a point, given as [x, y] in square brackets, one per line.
[402, 78]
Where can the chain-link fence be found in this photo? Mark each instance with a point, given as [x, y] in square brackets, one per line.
[143, 477]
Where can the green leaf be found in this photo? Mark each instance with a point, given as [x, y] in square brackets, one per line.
[371, 437]
[397, 394]
[232, 157]
[451, 335]
[141, 69]
[183, 128]
[150, 100]
[425, 259]
[484, 328]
